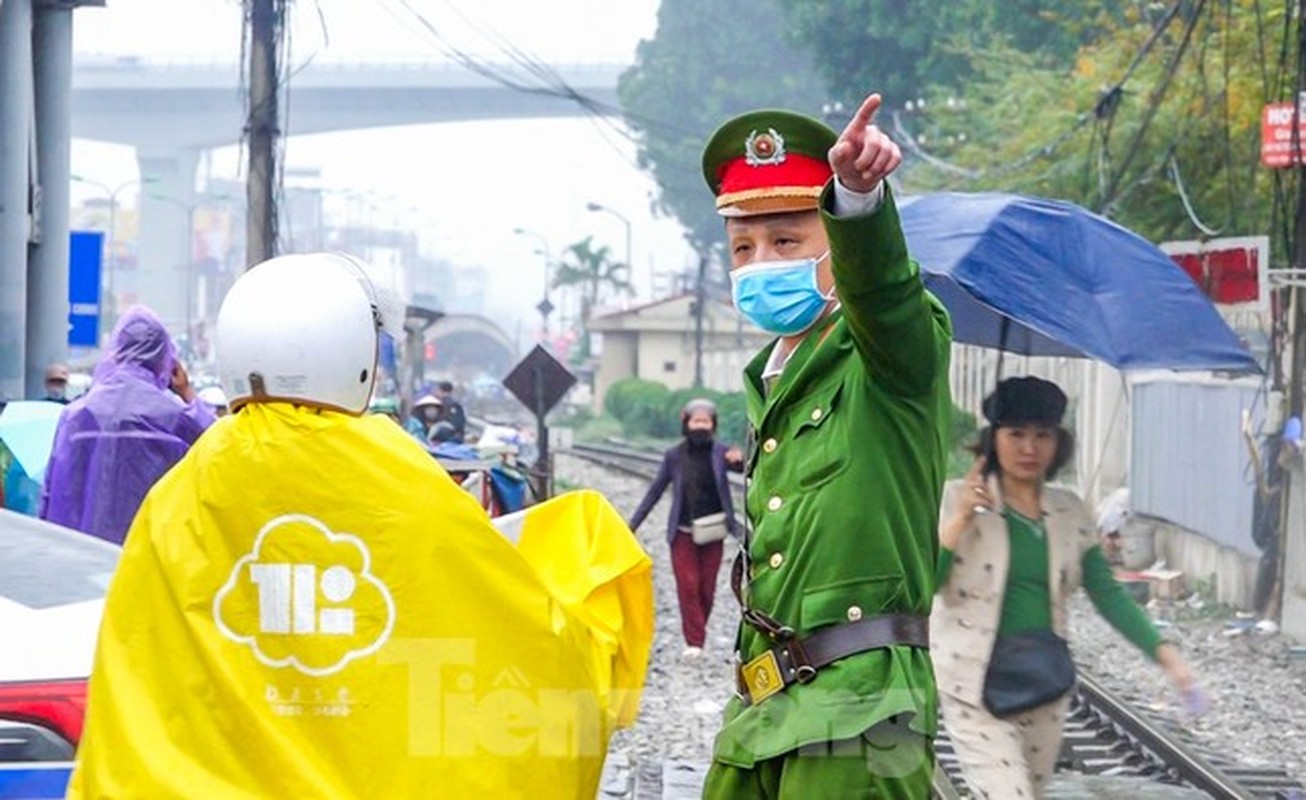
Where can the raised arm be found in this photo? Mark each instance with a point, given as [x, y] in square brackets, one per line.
[655, 490]
[901, 331]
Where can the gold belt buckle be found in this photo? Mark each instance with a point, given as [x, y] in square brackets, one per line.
[762, 677]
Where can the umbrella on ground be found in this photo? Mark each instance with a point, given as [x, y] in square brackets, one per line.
[1047, 277]
[27, 430]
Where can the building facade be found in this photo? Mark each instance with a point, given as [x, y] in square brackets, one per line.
[658, 342]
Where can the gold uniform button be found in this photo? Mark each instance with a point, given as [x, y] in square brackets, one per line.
[816, 414]
[776, 560]
[769, 445]
[774, 503]
[854, 613]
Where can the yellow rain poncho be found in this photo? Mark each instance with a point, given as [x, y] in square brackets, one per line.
[308, 607]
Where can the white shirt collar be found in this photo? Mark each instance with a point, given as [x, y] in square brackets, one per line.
[775, 363]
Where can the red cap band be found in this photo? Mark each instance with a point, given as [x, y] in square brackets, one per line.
[796, 170]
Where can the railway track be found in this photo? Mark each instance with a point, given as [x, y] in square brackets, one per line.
[1103, 736]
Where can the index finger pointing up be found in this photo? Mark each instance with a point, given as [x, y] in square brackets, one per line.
[864, 114]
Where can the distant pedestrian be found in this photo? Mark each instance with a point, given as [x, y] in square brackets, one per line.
[453, 410]
[386, 406]
[702, 513]
[139, 417]
[56, 383]
[427, 411]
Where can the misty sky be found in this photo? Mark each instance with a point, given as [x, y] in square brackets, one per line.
[465, 186]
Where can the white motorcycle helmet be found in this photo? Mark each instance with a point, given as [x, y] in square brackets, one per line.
[303, 329]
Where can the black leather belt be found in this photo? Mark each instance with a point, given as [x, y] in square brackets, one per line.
[793, 660]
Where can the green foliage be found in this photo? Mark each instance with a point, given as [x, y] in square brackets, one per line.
[634, 401]
[963, 434]
[898, 49]
[710, 60]
[1112, 104]
[649, 410]
[598, 429]
[1190, 106]
[732, 422]
[570, 416]
[1201, 603]
[596, 274]
[964, 427]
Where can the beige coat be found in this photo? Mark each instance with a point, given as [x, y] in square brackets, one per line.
[967, 609]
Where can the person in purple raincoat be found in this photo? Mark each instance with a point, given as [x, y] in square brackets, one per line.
[139, 417]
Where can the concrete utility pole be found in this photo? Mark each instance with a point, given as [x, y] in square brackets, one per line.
[266, 20]
[47, 265]
[16, 101]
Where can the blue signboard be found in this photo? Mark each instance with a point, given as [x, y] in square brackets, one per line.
[85, 257]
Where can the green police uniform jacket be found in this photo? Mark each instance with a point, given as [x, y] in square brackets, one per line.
[847, 468]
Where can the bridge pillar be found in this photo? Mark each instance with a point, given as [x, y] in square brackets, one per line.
[164, 276]
[16, 100]
[47, 268]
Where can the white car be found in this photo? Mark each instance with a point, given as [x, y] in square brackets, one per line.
[52, 585]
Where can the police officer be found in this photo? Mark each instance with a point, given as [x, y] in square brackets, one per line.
[848, 408]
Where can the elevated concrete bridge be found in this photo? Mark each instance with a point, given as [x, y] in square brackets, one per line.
[470, 344]
[172, 112]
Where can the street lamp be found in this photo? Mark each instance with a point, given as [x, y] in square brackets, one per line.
[592, 206]
[111, 244]
[546, 306]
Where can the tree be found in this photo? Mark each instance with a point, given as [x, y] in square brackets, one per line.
[893, 47]
[594, 273]
[710, 60]
[1156, 124]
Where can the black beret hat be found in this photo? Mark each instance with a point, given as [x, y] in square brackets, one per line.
[1025, 400]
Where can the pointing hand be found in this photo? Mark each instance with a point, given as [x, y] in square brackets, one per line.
[864, 155]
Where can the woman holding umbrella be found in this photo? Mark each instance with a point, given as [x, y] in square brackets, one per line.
[1012, 549]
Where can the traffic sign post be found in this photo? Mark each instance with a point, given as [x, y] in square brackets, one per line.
[1279, 147]
[539, 381]
[85, 262]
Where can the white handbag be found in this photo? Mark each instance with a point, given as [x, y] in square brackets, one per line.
[709, 528]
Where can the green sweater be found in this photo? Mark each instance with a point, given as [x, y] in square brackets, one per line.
[1027, 605]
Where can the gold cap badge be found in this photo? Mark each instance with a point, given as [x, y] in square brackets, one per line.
[764, 149]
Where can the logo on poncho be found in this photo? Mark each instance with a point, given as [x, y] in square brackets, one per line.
[305, 597]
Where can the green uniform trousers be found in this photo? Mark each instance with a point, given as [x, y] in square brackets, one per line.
[888, 762]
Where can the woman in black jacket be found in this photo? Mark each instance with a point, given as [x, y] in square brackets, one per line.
[696, 468]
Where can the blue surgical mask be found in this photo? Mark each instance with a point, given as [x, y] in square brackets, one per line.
[780, 297]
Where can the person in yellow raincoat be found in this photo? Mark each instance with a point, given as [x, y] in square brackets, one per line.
[309, 607]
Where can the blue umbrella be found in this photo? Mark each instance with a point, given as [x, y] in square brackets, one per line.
[27, 430]
[1050, 278]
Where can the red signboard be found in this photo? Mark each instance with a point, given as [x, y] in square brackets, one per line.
[1276, 135]
[1230, 271]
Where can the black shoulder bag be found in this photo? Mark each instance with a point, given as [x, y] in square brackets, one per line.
[1027, 670]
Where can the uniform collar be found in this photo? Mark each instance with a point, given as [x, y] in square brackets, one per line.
[775, 363]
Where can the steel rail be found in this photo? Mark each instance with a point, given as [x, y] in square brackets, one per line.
[1178, 760]
[1188, 765]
